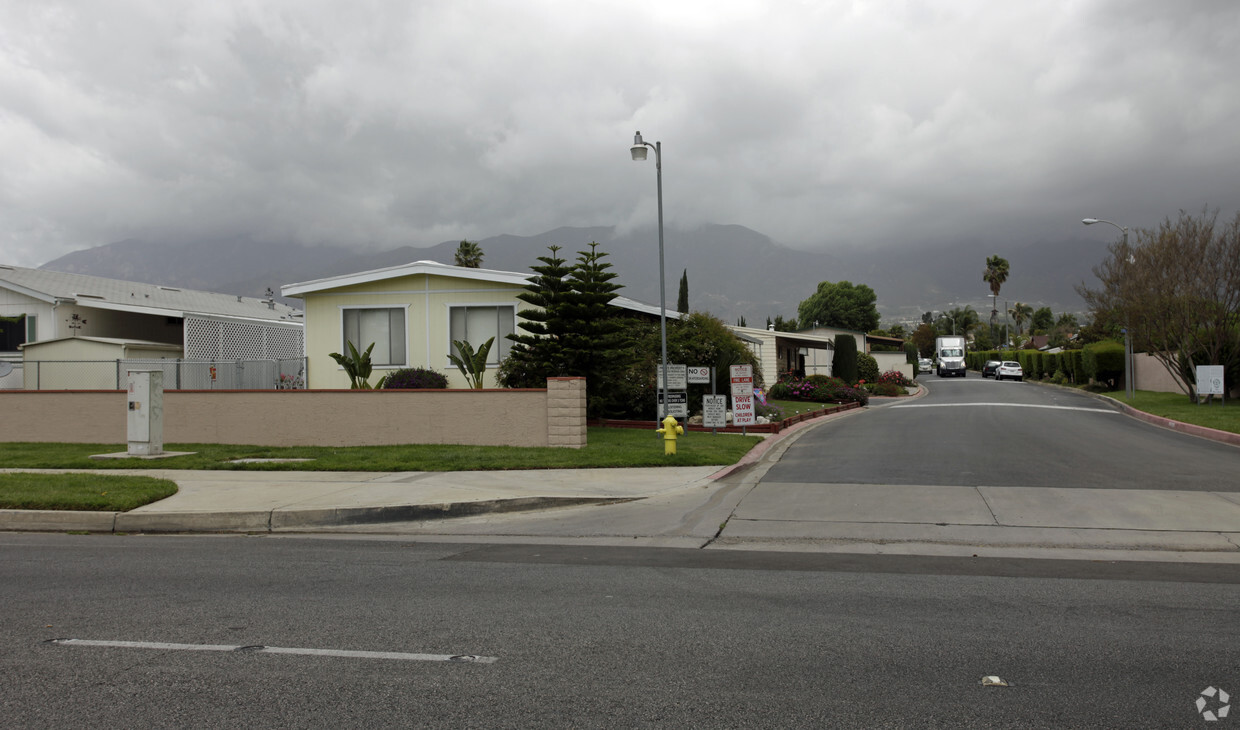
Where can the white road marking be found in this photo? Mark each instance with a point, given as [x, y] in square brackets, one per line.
[400, 656]
[1005, 405]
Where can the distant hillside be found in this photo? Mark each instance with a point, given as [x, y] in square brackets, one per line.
[733, 271]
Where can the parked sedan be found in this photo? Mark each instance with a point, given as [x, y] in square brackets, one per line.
[1009, 370]
[925, 365]
[989, 368]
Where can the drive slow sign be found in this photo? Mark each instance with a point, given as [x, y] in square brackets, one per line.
[742, 395]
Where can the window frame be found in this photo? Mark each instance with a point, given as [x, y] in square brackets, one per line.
[502, 345]
[404, 313]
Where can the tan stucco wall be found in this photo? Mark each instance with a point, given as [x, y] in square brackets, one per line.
[554, 417]
[426, 300]
[893, 361]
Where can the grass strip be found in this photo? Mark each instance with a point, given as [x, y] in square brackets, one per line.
[90, 492]
[1178, 407]
[607, 447]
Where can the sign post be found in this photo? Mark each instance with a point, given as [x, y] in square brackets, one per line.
[742, 396]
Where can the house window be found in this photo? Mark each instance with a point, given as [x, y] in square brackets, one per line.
[477, 324]
[384, 327]
[15, 331]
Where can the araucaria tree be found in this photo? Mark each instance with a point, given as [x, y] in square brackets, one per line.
[995, 274]
[841, 305]
[1177, 291]
[573, 330]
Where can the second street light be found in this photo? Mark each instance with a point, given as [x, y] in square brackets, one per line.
[638, 151]
[1129, 386]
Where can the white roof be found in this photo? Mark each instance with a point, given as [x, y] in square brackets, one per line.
[434, 268]
[129, 296]
[146, 344]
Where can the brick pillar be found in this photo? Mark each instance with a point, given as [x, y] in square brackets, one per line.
[566, 412]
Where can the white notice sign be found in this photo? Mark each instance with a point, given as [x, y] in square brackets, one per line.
[742, 410]
[715, 411]
[676, 377]
[1209, 380]
[699, 374]
[742, 380]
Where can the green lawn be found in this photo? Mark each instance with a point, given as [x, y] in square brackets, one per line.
[95, 492]
[607, 447]
[1178, 407]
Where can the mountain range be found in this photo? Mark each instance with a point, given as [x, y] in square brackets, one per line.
[733, 271]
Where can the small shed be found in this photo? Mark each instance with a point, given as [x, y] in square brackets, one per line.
[88, 363]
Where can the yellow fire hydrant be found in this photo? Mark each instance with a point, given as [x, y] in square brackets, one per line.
[670, 431]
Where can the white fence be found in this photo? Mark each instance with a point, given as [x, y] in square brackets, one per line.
[273, 374]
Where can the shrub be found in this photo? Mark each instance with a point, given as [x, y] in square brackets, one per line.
[885, 389]
[1104, 361]
[844, 362]
[780, 391]
[867, 367]
[895, 377]
[772, 413]
[416, 379]
[817, 379]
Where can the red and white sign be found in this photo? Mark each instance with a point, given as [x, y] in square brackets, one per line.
[742, 411]
[742, 380]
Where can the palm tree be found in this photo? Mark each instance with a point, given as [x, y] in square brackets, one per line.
[996, 273]
[965, 318]
[469, 255]
[1020, 312]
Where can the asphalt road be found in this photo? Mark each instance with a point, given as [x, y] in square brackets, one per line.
[979, 432]
[596, 637]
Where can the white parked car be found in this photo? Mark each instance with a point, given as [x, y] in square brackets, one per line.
[1009, 370]
[925, 365]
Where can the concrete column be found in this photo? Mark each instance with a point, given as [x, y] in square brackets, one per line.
[566, 412]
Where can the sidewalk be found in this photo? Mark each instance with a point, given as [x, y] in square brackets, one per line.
[518, 506]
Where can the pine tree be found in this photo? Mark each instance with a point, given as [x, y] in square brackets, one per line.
[596, 341]
[536, 356]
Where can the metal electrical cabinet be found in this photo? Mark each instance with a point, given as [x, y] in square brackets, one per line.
[146, 412]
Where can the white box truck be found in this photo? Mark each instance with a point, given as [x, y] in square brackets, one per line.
[949, 356]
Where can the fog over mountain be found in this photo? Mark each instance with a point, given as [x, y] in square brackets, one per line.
[733, 271]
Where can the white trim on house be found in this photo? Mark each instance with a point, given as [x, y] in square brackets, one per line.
[430, 268]
[434, 268]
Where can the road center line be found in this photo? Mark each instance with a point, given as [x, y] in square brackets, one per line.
[1005, 405]
[351, 654]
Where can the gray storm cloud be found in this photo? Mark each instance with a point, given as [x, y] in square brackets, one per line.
[818, 123]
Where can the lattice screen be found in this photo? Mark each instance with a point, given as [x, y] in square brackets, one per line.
[223, 339]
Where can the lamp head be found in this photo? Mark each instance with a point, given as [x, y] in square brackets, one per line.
[639, 148]
[1089, 221]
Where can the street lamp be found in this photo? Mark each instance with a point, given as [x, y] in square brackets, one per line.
[1129, 386]
[1122, 229]
[638, 151]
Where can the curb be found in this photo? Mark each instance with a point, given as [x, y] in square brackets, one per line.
[1213, 434]
[276, 520]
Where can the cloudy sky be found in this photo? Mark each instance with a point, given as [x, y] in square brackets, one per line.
[820, 123]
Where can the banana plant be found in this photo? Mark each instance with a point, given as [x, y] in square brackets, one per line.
[473, 365]
[358, 367]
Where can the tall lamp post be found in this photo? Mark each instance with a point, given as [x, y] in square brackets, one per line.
[1129, 386]
[638, 151]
